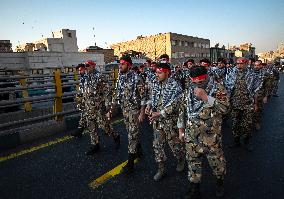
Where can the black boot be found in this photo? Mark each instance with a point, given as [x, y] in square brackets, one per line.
[78, 132]
[129, 167]
[117, 141]
[93, 149]
[193, 191]
[219, 188]
[237, 143]
[139, 151]
[247, 142]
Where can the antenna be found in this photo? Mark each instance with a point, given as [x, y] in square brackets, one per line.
[94, 36]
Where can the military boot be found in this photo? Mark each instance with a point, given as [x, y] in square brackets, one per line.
[161, 172]
[236, 143]
[180, 165]
[193, 191]
[78, 132]
[129, 167]
[117, 141]
[219, 188]
[93, 149]
[247, 142]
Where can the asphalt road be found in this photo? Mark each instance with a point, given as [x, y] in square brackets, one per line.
[63, 170]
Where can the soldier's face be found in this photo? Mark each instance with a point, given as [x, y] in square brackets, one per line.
[221, 65]
[123, 68]
[240, 65]
[161, 76]
[257, 65]
[189, 64]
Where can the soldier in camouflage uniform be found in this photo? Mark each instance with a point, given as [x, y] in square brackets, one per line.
[162, 109]
[98, 101]
[130, 95]
[199, 123]
[81, 101]
[242, 86]
[261, 94]
[276, 79]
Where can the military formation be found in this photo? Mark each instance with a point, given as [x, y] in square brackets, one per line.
[186, 106]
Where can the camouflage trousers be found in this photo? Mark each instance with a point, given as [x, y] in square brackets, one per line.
[83, 120]
[257, 115]
[275, 87]
[208, 145]
[98, 120]
[167, 131]
[242, 122]
[132, 128]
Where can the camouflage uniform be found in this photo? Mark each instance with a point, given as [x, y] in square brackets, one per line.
[98, 101]
[276, 78]
[202, 123]
[80, 99]
[242, 87]
[165, 99]
[130, 95]
[260, 94]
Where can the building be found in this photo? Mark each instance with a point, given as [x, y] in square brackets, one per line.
[108, 53]
[244, 50]
[63, 40]
[216, 53]
[179, 47]
[5, 46]
[49, 53]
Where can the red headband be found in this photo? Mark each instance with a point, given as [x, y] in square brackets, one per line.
[124, 62]
[204, 63]
[201, 77]
[162, 70]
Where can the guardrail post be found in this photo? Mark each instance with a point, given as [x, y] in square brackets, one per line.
[25, 93]
[57, 106]
[115, 76]
[76, 79]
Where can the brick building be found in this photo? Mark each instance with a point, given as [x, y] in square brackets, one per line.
[179, 47]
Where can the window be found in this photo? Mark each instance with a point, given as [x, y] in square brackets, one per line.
[199, 45]
[181, 54]
[179, 43]
[207, 46]
[174, 42]
[187, 54]
[185, 43]
[182, 43]
[69, 34]
[195, 45]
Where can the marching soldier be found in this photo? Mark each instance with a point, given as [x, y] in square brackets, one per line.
[162, 109]
[242, 86]
[130, 95]
[98, 101]
[80, 99]
[199, 123]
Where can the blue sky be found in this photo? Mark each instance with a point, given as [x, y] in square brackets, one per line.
[260, 22]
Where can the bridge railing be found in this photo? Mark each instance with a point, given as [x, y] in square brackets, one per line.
[26, 94]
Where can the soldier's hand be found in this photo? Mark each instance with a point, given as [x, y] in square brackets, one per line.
[181, 134]
[141, 117]
[154, 116]
[148, 110]
[265, 100]
[255, 107]
[109, 114]
[201, 94]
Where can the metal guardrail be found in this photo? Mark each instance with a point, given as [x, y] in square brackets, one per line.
[56, 84]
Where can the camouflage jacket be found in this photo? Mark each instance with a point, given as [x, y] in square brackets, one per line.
[98, 90]
[194, 110]
[80, 93]
[165, 96]
[253, 81]
[130, 91]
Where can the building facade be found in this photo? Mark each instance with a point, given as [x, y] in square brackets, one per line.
[179, 47]
[63, 40]
[216, 53]
[108, 53]
[5, 46]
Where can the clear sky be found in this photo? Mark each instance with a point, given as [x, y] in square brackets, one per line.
[260, 22]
